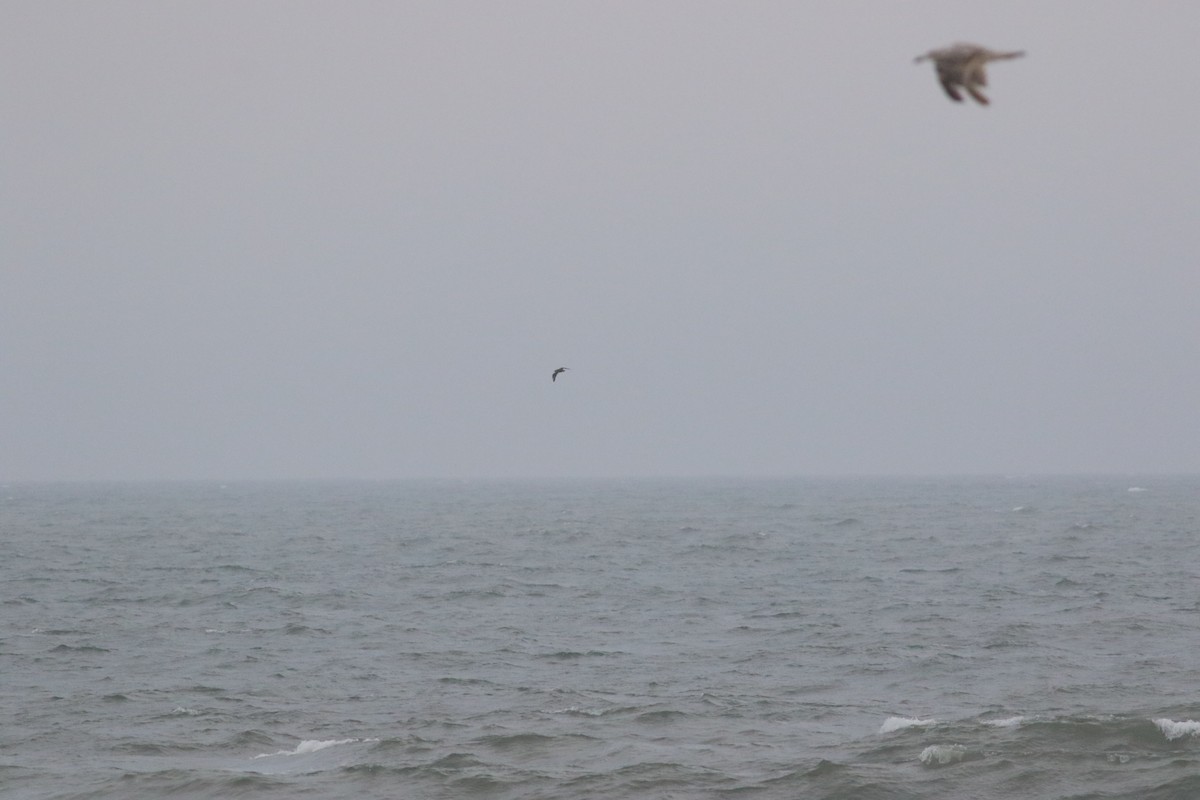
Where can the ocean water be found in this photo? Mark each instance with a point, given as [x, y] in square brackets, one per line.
[883, 638]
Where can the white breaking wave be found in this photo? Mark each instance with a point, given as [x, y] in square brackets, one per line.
[312, 746]
[892, 724]
[1177, 730]
[1008, 722]
[588, 712]
[940, 755]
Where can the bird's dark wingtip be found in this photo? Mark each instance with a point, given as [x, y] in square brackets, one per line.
[951, 91]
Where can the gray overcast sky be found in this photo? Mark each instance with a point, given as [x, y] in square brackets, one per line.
[301, 239]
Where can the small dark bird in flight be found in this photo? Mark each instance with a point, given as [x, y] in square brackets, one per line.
[963, 65]
[554, 375]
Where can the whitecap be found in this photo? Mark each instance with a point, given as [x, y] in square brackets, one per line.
[939, 755]
[185, 712]
[1136, 489]
[1007, 722]
[1177, 730]
[892, 724]
[312, 746]
[586, 712]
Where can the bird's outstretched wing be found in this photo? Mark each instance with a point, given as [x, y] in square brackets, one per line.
[951, 90]
[963, 67]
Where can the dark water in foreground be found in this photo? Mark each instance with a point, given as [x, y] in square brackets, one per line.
[969, 638]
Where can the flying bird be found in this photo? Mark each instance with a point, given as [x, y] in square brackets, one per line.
[554, 375]
[963, 65]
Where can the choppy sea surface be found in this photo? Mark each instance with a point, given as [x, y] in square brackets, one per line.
[883, 638]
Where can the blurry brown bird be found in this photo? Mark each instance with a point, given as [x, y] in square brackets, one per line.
[963, 65]
[554, 375]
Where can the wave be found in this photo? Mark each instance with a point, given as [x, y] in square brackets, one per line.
[648, 779]
[455, 681]
[313, 745]
[161, 749]
[185, 783]
[570, 655]
[893, 724]
[1177, 730]
[517, 740]
[294, 629]
[532, 742]
[251, 737]
[584, 712]
[942, 755]
[1110, 730]
[1006, 722]
[83, 648]
[664, 715]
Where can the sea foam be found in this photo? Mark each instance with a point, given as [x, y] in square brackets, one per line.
[892, 724]
[939, 755]
[312, 746]
[1177, 730]
[1007, 722]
